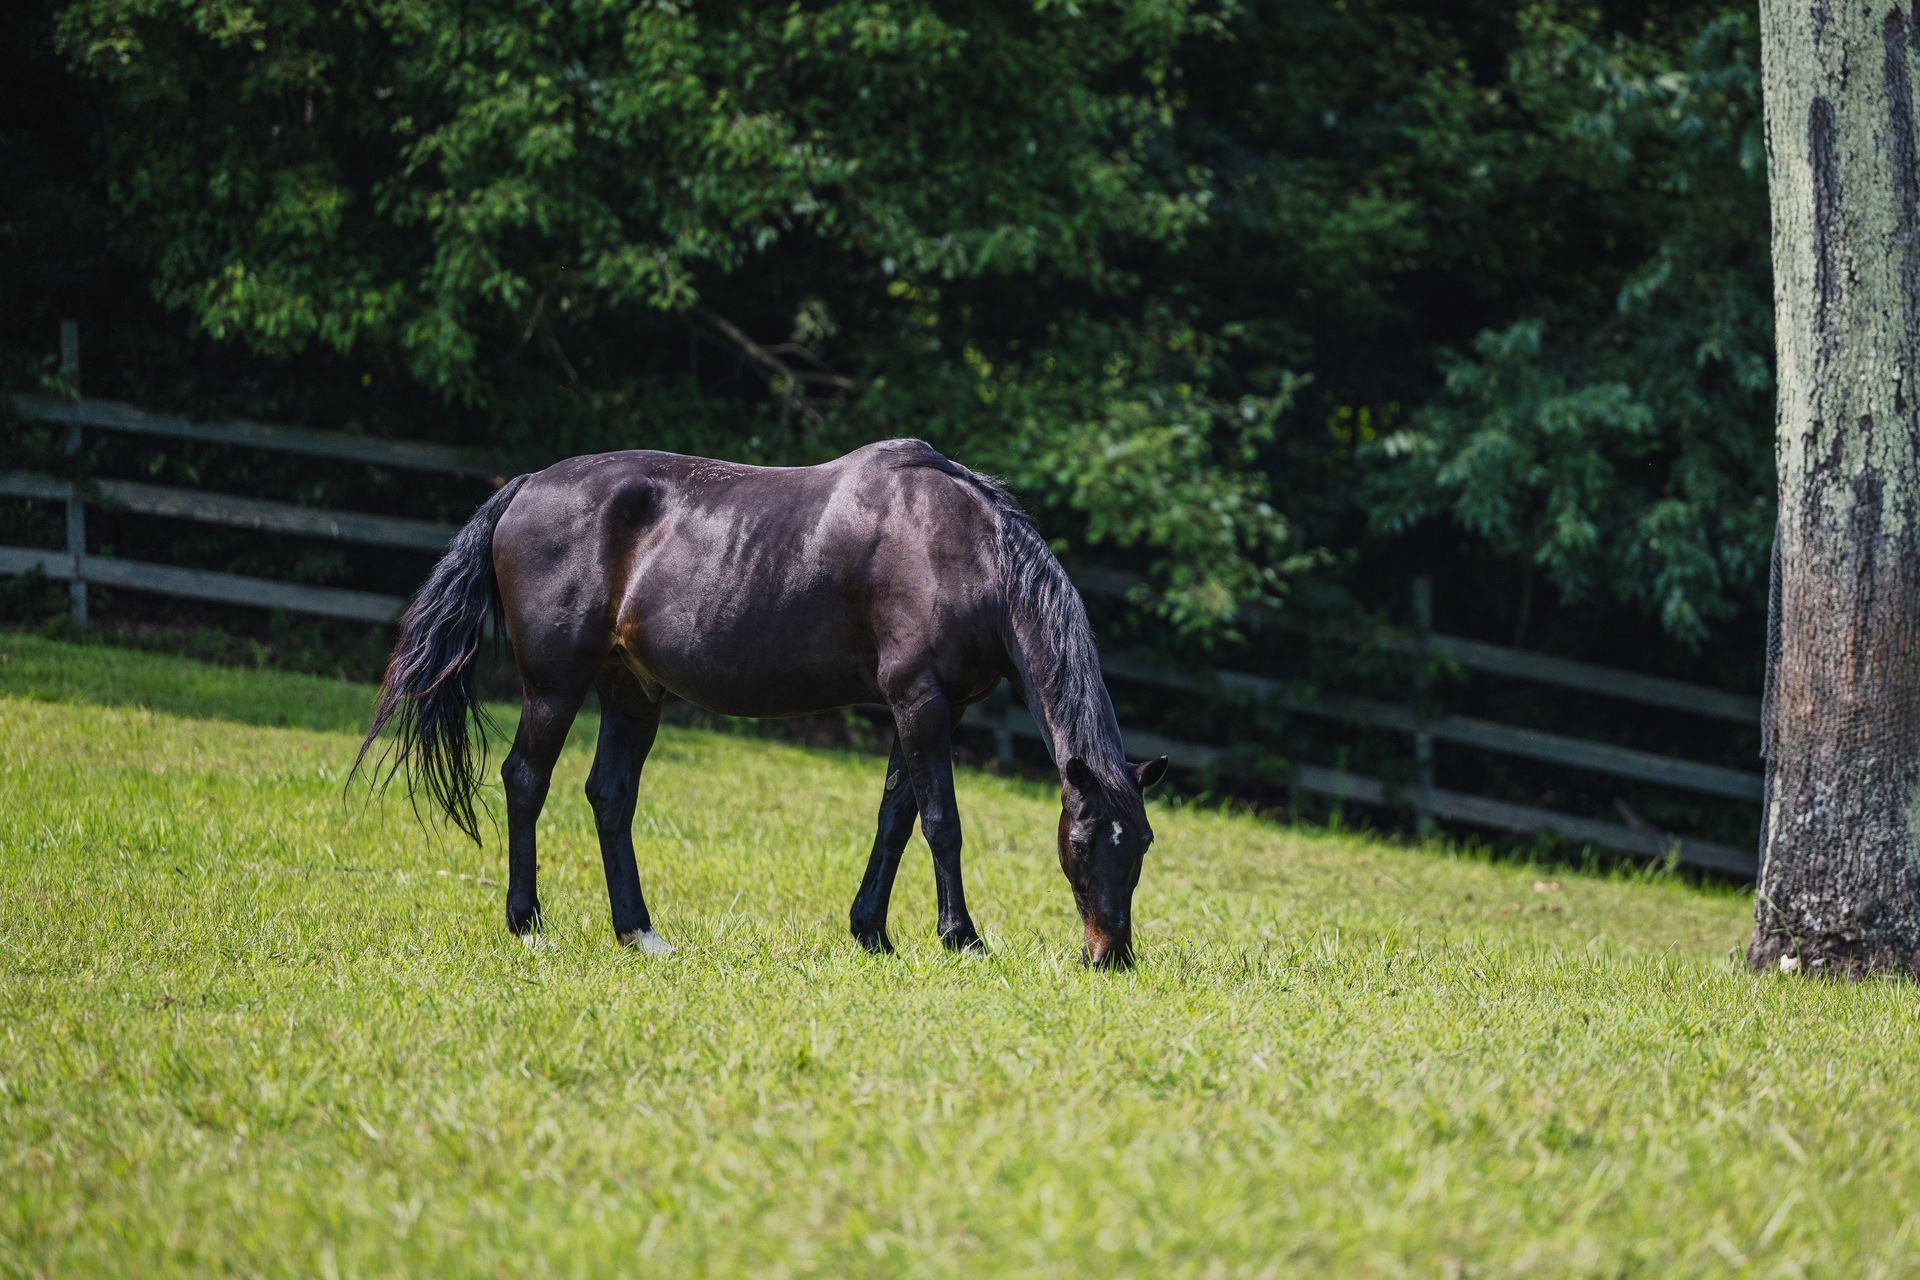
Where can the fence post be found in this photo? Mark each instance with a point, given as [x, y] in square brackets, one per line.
[76, 509]
[1423, 742]
[1003, 725]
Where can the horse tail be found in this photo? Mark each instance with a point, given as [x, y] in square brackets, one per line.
[428, 691]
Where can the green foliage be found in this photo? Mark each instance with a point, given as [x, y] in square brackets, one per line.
[440, 191]
[1617, 436]
[1112, 423]
[417, 180]
[1235, 294]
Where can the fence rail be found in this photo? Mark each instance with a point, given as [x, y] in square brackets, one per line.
[1479, 655]
[111, 415]
[80, 568]
[1533, 744]
[204, 584]
[1504, 815]
[240, 513]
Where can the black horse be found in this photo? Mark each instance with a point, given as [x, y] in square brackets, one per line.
[892, 575]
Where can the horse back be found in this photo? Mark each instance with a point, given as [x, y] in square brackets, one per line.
[755, 590]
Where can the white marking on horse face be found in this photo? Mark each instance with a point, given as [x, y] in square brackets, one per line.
[647, 942]
[1117, 831]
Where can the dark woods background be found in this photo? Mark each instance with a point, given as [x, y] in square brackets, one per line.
[1272, 303]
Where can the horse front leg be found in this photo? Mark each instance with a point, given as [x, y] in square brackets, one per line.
[868, 917]
[628, 723]
[924, 722]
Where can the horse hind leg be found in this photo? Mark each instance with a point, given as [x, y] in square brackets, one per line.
[629, 720]
[545, 717]
[545, 573]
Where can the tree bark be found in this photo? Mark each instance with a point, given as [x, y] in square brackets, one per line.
[1840, 887]
[1839, 884]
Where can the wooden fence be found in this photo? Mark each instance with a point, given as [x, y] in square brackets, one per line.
[79, 568]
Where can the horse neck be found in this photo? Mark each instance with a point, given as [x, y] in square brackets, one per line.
[1060, 681]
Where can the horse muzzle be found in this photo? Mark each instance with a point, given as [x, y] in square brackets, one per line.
[1107, 949]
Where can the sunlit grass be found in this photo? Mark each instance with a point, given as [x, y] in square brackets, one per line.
[246, 1026]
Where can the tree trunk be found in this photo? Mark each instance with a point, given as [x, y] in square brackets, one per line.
[1840, 865]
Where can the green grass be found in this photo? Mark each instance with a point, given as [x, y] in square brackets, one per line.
[245, 1027]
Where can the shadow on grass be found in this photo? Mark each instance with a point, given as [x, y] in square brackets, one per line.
[104, 675]
[100, 674]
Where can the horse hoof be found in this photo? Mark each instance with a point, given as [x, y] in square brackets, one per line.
[965, 941]
[647, 942]
[876, 942]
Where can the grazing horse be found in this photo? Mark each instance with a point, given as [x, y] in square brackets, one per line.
[891, 576]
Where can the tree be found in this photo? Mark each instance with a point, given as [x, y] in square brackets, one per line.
[1515, 248]
[1605, 431]
[1840, 876]
[762, 232]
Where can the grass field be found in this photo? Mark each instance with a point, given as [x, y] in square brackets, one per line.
[246, 1028]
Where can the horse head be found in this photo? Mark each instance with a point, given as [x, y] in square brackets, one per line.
[1103, 839]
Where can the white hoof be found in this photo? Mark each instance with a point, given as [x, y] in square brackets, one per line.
[647, 941]
[538, 942]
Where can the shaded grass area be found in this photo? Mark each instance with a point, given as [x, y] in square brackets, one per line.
[251, 1027]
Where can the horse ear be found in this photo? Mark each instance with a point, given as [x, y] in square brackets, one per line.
[1078, 774]
[1150, 772]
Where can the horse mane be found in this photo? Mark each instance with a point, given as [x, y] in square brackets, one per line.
[1049, 636]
